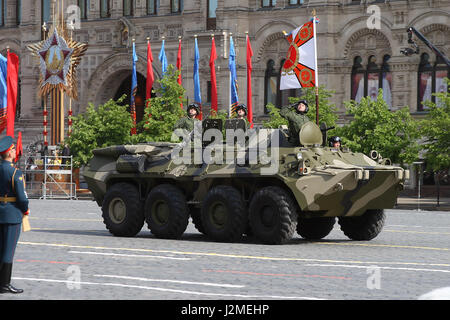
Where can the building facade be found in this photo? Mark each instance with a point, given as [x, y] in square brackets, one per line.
[359, 45]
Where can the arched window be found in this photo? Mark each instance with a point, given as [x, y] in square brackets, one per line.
[366, 82]
[151, 7]
[373, 78]
[2, 11]
[270, 84]
[128, 8]
[84, 7]
[45, 11]
[268, 3]
[105, 10]
[357, 85]
[176, 6]
[211, 19]
[430, 80]
[386, 80]
[18, 12]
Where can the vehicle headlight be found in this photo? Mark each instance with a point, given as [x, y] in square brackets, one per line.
[299, 156]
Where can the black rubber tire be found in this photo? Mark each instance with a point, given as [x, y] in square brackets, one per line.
[315, 228]
[166, 212]
[364, 227]
[273, 215]
[230, 219]
[196, 216]
[122, 210]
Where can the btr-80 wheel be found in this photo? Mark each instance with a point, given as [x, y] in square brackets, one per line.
[122, 210]
[365, 227]
[315, 228]
[224, 214]
[272, 215]
[166, 211]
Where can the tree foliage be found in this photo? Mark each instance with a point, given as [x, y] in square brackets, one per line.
[164, 110]
[393, 134]
[108, 124]
[436, 132]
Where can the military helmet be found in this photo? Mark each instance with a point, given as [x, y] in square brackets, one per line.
[243, 107]
[193, 106]
[304, 102]
[333, 140]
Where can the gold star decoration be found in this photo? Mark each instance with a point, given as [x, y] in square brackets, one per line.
[59, 55]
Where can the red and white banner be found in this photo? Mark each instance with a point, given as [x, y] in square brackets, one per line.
[300, 67]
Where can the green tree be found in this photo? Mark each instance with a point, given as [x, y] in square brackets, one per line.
[393, 134]
[108, 124]
[164, 110]
[436, 133]
[327, 110]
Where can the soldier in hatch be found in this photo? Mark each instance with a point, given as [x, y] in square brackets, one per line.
[241, 113]
[187, 123]
[296, 116]
[335, 142]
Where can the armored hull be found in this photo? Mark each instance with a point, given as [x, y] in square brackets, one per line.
[268, 193]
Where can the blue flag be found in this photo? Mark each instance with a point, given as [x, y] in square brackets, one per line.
[134, 76]
[233, 77]
[162, 57]
[3, 91]
[133, 90]
[197, 93]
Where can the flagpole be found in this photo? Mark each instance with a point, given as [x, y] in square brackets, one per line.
[229, 103]
[44, 98]
[316, 80]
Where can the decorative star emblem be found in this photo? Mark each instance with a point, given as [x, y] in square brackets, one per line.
[58, 56]
[55, 60]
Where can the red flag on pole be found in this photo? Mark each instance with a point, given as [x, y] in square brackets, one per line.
[212, 66]
[11, 84]
[150, 76]
[249, 82]
[179, 65]
[179, 60]
[19, 147]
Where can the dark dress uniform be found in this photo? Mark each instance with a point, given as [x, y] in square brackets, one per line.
[13, 205]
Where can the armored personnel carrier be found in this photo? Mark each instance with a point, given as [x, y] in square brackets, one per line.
[276, 189]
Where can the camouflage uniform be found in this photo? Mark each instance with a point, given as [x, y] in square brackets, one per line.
[186, 123]
[296, 121]
[247, 123]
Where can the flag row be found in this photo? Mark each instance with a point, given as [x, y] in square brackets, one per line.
[234, 98]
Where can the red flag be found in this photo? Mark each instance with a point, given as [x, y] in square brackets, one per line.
[179, 61]
[150, 76]
[11, 84]
[179, 66]
[19, 148]
[249, 83]
[212, 66]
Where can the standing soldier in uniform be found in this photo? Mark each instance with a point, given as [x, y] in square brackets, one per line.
[13, 206]
[296, 116]
[187, 123]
